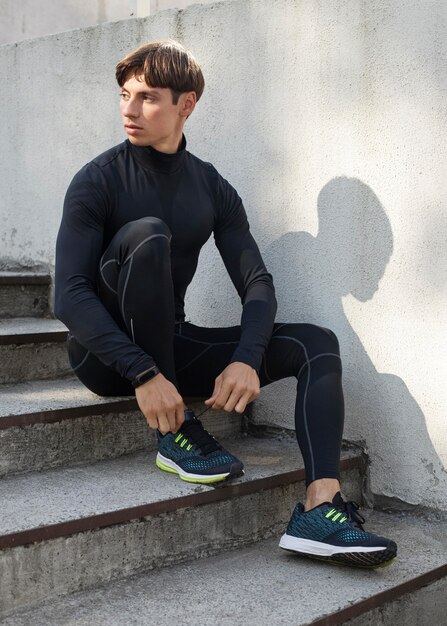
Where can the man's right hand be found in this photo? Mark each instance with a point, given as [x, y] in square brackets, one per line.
[161, 404]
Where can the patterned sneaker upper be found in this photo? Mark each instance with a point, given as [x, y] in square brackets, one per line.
[337, 523]
[195, 450]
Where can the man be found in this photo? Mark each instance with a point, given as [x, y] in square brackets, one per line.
[134, 221]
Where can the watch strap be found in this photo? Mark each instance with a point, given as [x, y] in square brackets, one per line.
[143, 378]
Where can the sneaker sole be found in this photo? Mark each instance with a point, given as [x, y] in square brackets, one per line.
[169, 466]
[369, 557]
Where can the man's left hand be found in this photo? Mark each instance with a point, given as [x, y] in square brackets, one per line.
[237, 386]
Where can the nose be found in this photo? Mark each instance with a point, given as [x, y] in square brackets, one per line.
[129, 108]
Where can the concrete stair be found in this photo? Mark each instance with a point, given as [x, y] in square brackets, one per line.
[49, 423]
[24, 293]
[71, 528]
[83, 507]
[261, 585]
[32, 348]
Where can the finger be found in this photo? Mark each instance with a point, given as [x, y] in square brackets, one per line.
[241, 405]
[171, 416]
[223, 396]
[179, 417]
[163, 424]
[234, 398]
[216, 390]
[152, 421]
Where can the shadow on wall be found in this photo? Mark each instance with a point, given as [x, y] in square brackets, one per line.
[349, 256]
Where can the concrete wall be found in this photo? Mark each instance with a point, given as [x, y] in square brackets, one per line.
[36, 18]
[329, 119]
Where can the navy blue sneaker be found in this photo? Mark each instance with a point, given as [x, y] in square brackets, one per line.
[333, 532]
[195, 455]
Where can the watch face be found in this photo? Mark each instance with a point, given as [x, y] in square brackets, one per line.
[143, 378]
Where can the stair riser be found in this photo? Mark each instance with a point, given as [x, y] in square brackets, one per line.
[424, 607]
[56, 567]
[19, 363]
[24, 300]
[89, 439]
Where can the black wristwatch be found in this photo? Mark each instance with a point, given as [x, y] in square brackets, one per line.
[143, 378]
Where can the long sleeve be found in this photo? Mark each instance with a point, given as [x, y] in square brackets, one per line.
[78, 252]
[248, 273]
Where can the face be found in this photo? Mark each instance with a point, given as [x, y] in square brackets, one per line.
[149, 116]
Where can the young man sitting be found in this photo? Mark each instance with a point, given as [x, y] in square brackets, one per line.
[134, 221]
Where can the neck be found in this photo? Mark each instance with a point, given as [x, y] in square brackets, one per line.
[170, 145]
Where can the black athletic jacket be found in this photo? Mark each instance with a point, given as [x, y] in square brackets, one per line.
[127, 183]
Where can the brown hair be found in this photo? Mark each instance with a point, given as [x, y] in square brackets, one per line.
[163, 64]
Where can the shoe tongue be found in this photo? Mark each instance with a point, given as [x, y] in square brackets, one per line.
[189, 415]
[350, 508]
[337, 500]
[193, 428]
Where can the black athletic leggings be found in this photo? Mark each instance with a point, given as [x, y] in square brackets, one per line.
[136, 287]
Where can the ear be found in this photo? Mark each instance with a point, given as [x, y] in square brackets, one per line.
[187, 103]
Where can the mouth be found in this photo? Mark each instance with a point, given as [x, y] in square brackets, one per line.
[132, 128]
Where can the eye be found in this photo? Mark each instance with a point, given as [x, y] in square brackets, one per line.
[123, 96]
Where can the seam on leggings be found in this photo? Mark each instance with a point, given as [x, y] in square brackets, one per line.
[131, 328]
[317, 356]
[129, 257]
[306, 427]
[279, 328]
[222, 343]
[103, 277]
[264, 359]
[208, 343]
[145, 241]
[82, 362]
[195, 358]
[125, 287]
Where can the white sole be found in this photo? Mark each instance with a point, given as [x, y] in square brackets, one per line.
[168, 463]
[307, 546]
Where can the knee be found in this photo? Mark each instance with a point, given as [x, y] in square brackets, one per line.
[316, 339]
[139, 231]
[330, 339]
[148, 230]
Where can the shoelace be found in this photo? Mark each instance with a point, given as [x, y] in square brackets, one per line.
[350, 509]
[194, 431]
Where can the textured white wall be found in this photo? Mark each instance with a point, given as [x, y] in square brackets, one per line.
[36, 18]
[329, 119]
[25, 19]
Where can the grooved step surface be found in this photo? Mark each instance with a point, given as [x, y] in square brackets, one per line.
[262, 585]
[66, 494]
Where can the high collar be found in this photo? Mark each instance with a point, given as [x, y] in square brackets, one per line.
[157, 161]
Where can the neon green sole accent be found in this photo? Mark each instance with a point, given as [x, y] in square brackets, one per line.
[164, 467]
[211, 479]
[329, 561]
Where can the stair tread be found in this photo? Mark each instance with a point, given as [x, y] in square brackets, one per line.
[50, 395]
[66, 494]
[30, 326]
[257, 585]
[24, 277]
